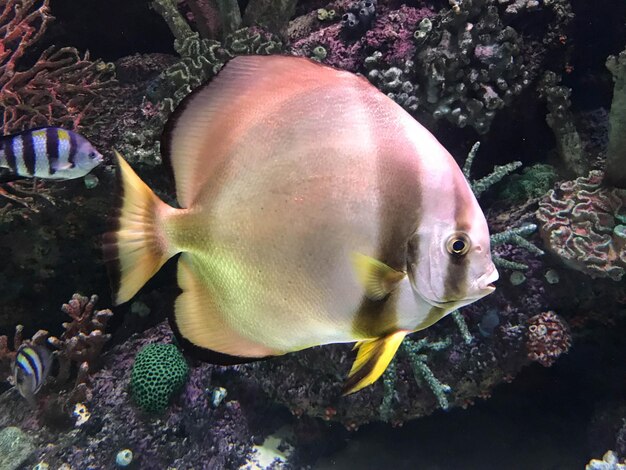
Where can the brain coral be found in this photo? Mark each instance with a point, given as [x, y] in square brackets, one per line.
[159, 371]
[583, 222]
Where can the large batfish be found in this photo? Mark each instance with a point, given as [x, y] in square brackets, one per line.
[313, 210]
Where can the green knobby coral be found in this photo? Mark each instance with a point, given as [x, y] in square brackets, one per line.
[417, 353]
[511, 235]
[159, 371]
[535, 181]
[481, 185]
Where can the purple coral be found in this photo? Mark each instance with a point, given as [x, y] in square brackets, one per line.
[582, 224]
[391, 34]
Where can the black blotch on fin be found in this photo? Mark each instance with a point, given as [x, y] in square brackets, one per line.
[363, 372]
[205, 354]
[108, 241]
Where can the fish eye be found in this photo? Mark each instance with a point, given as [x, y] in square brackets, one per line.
[458, 244]
[92, 154]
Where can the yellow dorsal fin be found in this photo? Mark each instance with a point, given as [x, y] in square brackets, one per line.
[377, 278]
[371, 361]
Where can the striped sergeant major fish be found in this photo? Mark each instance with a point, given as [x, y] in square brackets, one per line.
[312, 209]
[30, 369]
[48, 153]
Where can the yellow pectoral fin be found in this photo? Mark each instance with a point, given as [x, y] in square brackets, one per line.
[377, 278]
[371, 361]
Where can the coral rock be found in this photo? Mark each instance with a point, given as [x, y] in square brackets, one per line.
[582, 223]
[548, 338]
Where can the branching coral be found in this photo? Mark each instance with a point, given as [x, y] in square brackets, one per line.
[59, 88]
[511, 235]
[499, 172]
[418, 354]
[584, 224]
[84, 336]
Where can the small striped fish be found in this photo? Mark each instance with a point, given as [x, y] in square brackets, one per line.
[49, 153]
[31, 367]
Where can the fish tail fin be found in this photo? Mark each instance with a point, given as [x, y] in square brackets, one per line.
[137, 246]
[371, 361]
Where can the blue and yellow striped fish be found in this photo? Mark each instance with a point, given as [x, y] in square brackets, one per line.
[30, 369]
[49, 153]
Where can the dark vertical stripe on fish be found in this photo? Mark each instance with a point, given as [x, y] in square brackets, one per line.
[28, 353]
[455, 283]
[73, 149]
[52, 149]
[398, 220]
[28, 153]
[9, 154]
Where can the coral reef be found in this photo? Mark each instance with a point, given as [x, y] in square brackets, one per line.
[609, 461]
[60, 88]
[534, 182]
[469, 63]
[84, 336]
[159, 371]
[561, 120]
[192, 434]
[583, 223]
[548, 338]
[391, 34]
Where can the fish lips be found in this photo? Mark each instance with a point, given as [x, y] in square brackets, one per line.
[485, 285]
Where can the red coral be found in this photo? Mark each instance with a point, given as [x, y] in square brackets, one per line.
[548, 338]
[58, 89]
[581, 225]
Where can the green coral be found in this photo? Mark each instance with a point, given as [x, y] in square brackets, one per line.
[616, 153]
[534, 182]
[202, 58]
[483, 184]
[561, 120]
[159, 371]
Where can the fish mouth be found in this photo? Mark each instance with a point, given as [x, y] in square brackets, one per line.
[486, 284]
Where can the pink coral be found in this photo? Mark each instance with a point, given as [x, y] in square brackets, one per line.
[391, 34]
[84, 337]
[58, 88]
[581, 224]
[548, 338]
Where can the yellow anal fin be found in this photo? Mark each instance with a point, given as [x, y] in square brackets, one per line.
[377, 278]
[371, 361]
[200, 321]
